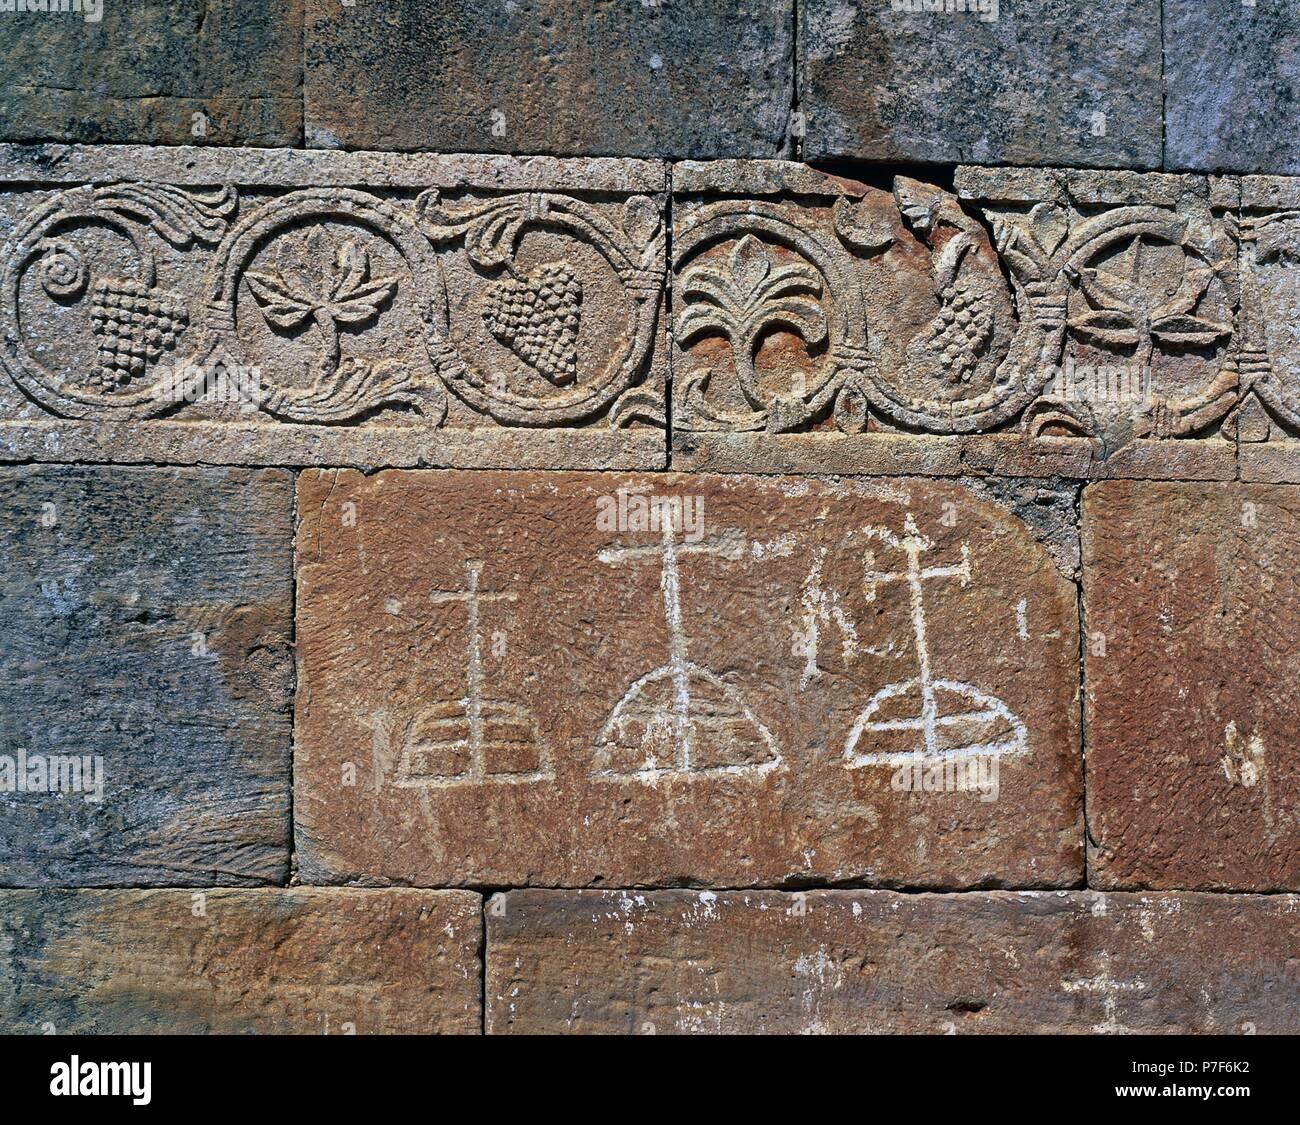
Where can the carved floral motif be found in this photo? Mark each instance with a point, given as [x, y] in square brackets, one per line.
[338, 299]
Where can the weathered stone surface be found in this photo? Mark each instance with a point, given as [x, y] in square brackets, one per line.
[300, 961]
[510, 679]
[1192, 612]
[472, 311]
[145, 626]
[1034, 321]
[692, 78]
[1031, 82]
[875, 961]
[1268, 420]
[1232, 76]
[224, 72]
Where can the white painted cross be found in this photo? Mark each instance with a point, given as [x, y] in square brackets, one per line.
[1110, 990]
[978, 711]
[913, 544]
[472, 596]
[728, 546]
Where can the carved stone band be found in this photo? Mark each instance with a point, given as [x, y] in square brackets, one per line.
[327, 307]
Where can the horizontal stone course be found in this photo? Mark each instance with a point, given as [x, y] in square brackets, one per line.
[540, 678]
[273, 962]
[408, 310]
[855, 962]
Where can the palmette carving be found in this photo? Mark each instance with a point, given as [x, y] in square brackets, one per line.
[913, 309]
[745, 273]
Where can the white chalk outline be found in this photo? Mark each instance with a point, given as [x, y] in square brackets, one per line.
[680, 670]
[913, 544]
[473, 701]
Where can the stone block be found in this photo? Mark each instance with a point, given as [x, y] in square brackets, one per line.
[586, 679]
[978, 81]
[684, 78]
[262, 308]
[305, 961]
[1192, 616]
[145, 640]
[218, 72]
[876, 962]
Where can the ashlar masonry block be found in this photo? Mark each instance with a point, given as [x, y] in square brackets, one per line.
[285, 961]
[281, 307]
[1030, 322]
[586, 679]
[876, 962]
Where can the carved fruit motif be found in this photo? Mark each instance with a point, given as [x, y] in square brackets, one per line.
[133, 326]
[537, 318]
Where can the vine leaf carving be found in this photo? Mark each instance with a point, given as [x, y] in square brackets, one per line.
[1127, 310]
[323, 282]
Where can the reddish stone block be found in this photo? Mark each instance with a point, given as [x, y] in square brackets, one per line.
[301, 961]
[1192, 614]
[525, 678]
[881, 962]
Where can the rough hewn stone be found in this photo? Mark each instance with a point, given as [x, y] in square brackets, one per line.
[300, 961]
[1030, 322]
[692, 78]
[511, 679]
[146, 624]
[1268, 419]
[1192, 613]
[1041, 83]
[471, 311]
[1232, 79]
[875, 961]
[222, 72]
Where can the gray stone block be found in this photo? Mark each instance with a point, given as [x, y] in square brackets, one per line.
[1232, 72]
[691, 78]
[144, 648]
[1042, 83]
[188, 71]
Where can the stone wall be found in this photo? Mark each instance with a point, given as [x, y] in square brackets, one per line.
[658, 515]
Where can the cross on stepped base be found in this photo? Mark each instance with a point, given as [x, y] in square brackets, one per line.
[983, 709]
[679, 670]
[505, 715]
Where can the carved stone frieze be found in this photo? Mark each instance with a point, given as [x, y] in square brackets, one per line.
[1022, 320]
[431, 310]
